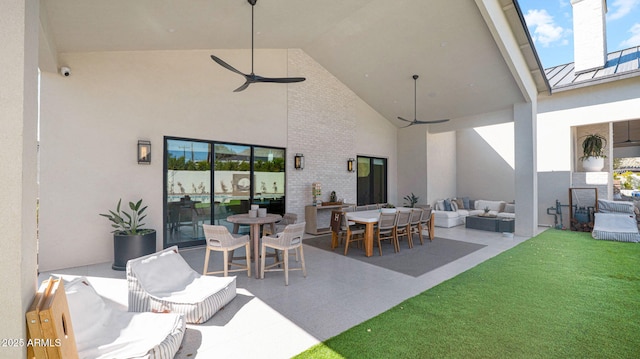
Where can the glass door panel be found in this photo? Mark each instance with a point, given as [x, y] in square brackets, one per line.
[232, 181]
[269, 180]
[372, 180]
[187, 191]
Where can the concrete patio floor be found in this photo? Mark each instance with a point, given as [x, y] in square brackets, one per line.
[270, 320]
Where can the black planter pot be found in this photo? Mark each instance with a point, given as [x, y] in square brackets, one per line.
[127, 247]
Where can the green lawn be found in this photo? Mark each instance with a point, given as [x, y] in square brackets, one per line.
[558, 295]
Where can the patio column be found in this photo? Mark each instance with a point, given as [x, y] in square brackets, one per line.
[19, 104]
[526, 173]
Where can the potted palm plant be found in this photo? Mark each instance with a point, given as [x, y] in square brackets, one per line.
[593, 152]
[130, 238]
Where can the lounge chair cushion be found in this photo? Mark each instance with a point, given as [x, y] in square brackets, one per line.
[164, 282]
[616, 227]
[102, 331]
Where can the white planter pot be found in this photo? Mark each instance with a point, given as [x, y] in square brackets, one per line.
[593, 164]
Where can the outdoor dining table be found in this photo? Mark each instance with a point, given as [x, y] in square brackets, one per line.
[368, 218]
[254, 231]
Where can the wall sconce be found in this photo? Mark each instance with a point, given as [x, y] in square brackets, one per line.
[144, 152]
[299, 161]
[350, 162]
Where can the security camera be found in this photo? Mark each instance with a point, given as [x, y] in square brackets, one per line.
[65, 71]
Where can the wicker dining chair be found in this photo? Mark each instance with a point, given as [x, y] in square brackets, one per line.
[403, 227]
[386, 229]
[289, 239]
[426, 223]
[414, 224]
[350, 233]
[219, 239]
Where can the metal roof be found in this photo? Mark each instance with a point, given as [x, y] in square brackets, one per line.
[620, 65]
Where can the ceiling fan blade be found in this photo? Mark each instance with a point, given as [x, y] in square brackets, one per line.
[430, 122]
[282, 80]
[226, 65]
[411, 124]
[244, 86]
[402, 119]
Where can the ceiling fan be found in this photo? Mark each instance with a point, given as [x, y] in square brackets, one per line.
[252, 77]
[629, 141]
[415, 101]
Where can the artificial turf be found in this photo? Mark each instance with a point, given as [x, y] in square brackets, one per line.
[558, 295]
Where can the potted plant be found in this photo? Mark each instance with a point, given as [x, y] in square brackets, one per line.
[388, 208]
[130, 239]
[412, 200]
[593, 152]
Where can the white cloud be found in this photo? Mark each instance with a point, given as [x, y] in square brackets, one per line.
[545, 30]
[634, 40]
[621, 8]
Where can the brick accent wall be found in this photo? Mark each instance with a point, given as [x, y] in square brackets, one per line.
[321, 126]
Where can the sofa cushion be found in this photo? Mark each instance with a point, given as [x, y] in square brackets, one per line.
[492, 205]
[447, 205]
[460, 203]
[509, 208]
[506, 215]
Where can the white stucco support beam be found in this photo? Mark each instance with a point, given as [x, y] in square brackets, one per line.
[19, 104]
[526, 173]
[502, 33]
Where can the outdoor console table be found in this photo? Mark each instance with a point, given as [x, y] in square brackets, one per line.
[254, 231]
[491, 224]
[311, 218]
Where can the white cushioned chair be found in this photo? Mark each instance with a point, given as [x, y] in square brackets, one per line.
[164, 282]
[103, 331]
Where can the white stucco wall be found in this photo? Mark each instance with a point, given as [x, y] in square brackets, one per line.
[18, 208]
[91, 122]
[485, 162]
[441, 166]
[412, 143]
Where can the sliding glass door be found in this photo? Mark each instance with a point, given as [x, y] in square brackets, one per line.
[187, 190]
[372, 180]
[206, 181]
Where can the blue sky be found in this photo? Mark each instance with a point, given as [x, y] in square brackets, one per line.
[550, 24]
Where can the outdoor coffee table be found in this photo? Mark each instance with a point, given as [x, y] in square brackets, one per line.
[491, 224]
[254, 231]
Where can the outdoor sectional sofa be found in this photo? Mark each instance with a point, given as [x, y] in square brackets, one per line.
[449, 213]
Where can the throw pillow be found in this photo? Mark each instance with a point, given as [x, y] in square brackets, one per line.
[465, 203]
[440, 205]
[460, 203]
[472, 204]
[502, 207]
[454, 206]
[447, 205]
[510, 208]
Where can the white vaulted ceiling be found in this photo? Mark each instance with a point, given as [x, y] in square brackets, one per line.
[372, 46]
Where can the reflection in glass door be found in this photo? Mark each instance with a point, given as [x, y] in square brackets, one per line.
[268, 171]
[232, 181]
[187, 191]
[206, 182]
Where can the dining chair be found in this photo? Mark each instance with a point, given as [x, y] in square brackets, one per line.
[290, 238]
[371, 207]
[427, 223]
[287, 219]
[220, 240]
[381, 205]
[386, 229]
[403, 227]
[351, 233]
[361, 208]
[414, 224]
